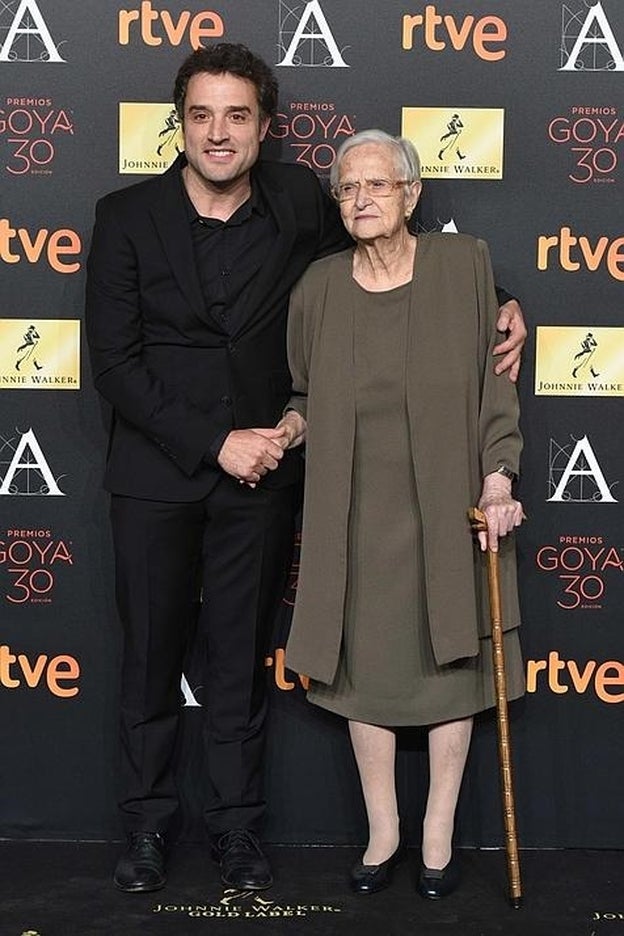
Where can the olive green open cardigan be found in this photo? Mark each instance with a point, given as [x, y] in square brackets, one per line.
[463, 424]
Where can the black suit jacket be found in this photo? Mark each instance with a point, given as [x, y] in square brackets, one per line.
[175, 379]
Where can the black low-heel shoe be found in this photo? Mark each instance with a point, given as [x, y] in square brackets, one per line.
[434, 884]
[369, 879]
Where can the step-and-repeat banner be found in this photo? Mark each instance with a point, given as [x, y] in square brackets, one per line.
[516, 109]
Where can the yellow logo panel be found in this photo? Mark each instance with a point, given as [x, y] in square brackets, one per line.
[579, 361]
[460, 143]
[39, 354]
[150, 137]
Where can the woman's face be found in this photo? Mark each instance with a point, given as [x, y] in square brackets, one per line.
[370, 208]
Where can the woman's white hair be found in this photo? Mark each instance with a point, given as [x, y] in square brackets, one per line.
[406, 156]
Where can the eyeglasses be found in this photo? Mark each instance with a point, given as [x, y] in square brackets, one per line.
[377, 188]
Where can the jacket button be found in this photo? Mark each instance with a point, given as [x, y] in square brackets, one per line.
[226, 400]
[231, 346]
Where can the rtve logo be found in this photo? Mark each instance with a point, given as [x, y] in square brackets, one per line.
[575, 253]
[605, 680]
[16, 244]
[19, 671]
[155, 26]
[486, 34]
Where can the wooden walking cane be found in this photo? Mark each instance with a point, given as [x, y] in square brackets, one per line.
[479, 525]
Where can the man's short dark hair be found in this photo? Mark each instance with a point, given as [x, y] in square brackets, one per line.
[233, 59]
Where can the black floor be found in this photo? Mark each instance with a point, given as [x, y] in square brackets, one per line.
[52, 889]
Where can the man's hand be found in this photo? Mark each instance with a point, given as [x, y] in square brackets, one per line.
[248, 454]
[510, 320]
[502, 512]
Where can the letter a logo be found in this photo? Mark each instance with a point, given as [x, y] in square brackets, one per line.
[595, 47]
[576, 477]
[189, 698]
[27, 38]
[32, 475]
[311, 42]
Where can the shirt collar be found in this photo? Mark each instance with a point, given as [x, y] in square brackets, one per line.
[255, 204]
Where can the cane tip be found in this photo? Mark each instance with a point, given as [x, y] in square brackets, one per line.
[516, 903]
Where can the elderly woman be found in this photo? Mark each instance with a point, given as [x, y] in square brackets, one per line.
[406, 427]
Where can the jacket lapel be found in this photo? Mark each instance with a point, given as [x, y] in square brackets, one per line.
[171, 220]
[267, 283]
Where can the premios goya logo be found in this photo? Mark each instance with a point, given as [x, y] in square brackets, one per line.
[593, 137]
[32, 560]
[24, 34]
[579, 361]
[313, 132]
[582, 566]
[24, 468]
[150, 137]
[41, 354]
[155, 26]
[32, 129]
[588, 42]
[457, 143]
[305, 38]
[441, 32]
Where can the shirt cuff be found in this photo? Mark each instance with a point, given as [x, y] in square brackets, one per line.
[212, 454]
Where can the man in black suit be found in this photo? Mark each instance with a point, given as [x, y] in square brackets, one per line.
[188, 282]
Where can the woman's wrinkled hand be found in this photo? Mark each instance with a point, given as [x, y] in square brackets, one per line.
[292, 427]
[503, 513]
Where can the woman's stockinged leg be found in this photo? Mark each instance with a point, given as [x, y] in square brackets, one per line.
[448, 750]
[375, 751]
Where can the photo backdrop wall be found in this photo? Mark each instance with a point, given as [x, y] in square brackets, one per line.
[516, 109]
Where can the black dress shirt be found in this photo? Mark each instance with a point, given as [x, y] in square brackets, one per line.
[229, 255]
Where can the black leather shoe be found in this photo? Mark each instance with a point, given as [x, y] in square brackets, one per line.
[141, 868]
[369, 879]
[242, 862]
[434, 884]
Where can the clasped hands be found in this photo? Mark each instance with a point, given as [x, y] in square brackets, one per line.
[502, 512]
[249, 454]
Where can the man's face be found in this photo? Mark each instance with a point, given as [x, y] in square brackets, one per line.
[223, 128]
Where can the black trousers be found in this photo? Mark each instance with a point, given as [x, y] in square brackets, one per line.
[236, 547]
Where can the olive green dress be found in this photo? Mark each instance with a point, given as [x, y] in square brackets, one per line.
[387, 674]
